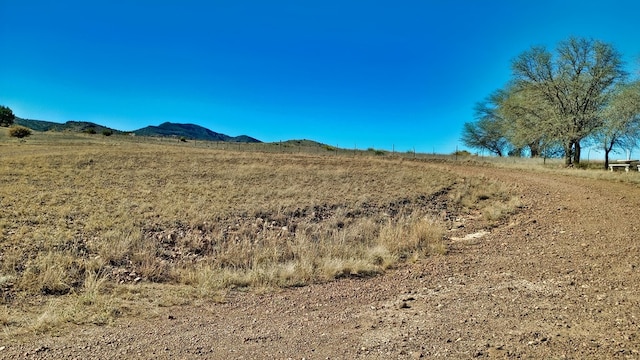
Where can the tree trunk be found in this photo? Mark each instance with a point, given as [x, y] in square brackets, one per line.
[534, 149]
[607, 149]
[576, 153]
[568, 154]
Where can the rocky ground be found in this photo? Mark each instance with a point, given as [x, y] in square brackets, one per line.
[558, 280]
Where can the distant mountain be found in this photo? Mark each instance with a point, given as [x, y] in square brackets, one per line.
[245, 139]
[76, 126]
[37, 125]
[167, 129]
[190, 131]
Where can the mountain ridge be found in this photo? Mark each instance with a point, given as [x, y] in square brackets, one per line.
[191, 131]
[166, 129]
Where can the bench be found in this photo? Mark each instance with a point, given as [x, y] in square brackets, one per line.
[626, 166]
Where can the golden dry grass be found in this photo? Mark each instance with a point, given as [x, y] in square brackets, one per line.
[591, 169]
[93, 228]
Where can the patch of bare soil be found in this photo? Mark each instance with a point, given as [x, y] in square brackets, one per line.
[558, 280]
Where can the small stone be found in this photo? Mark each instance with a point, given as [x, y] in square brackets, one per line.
[404, 305]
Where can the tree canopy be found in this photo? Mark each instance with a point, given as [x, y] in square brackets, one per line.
[559, 99]
[6, 116]
[620, 125]
[487, 132]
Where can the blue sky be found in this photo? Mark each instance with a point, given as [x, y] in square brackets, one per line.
[383, 74]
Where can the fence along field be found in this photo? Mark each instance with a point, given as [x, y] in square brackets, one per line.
[93, 230]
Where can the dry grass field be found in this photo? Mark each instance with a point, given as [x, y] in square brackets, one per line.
[95, 228]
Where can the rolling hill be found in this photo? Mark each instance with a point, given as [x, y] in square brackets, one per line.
[167, 129]
[190, 131]
[77, 126]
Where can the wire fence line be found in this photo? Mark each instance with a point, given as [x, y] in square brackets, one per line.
[290, 147]
[312, 147]
[285, 147]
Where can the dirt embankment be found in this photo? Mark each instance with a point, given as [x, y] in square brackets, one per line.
[559, 280]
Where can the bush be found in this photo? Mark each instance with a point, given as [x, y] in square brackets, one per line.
[107, 132]
[89, 131]
[19, 132]
[462, 153]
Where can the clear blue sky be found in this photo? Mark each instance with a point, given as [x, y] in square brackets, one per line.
[363, 73]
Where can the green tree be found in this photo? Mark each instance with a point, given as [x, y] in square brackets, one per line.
[6, 116]
[487, 132]
[567, 90]
[525, 121]
[620, 120]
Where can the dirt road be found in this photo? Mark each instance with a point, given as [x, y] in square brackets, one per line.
[560, 280]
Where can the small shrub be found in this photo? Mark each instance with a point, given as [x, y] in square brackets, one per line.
[89, 131]
[183, 139]
[462, 153]
[19, 132]
[376, 152]
[107, 132]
